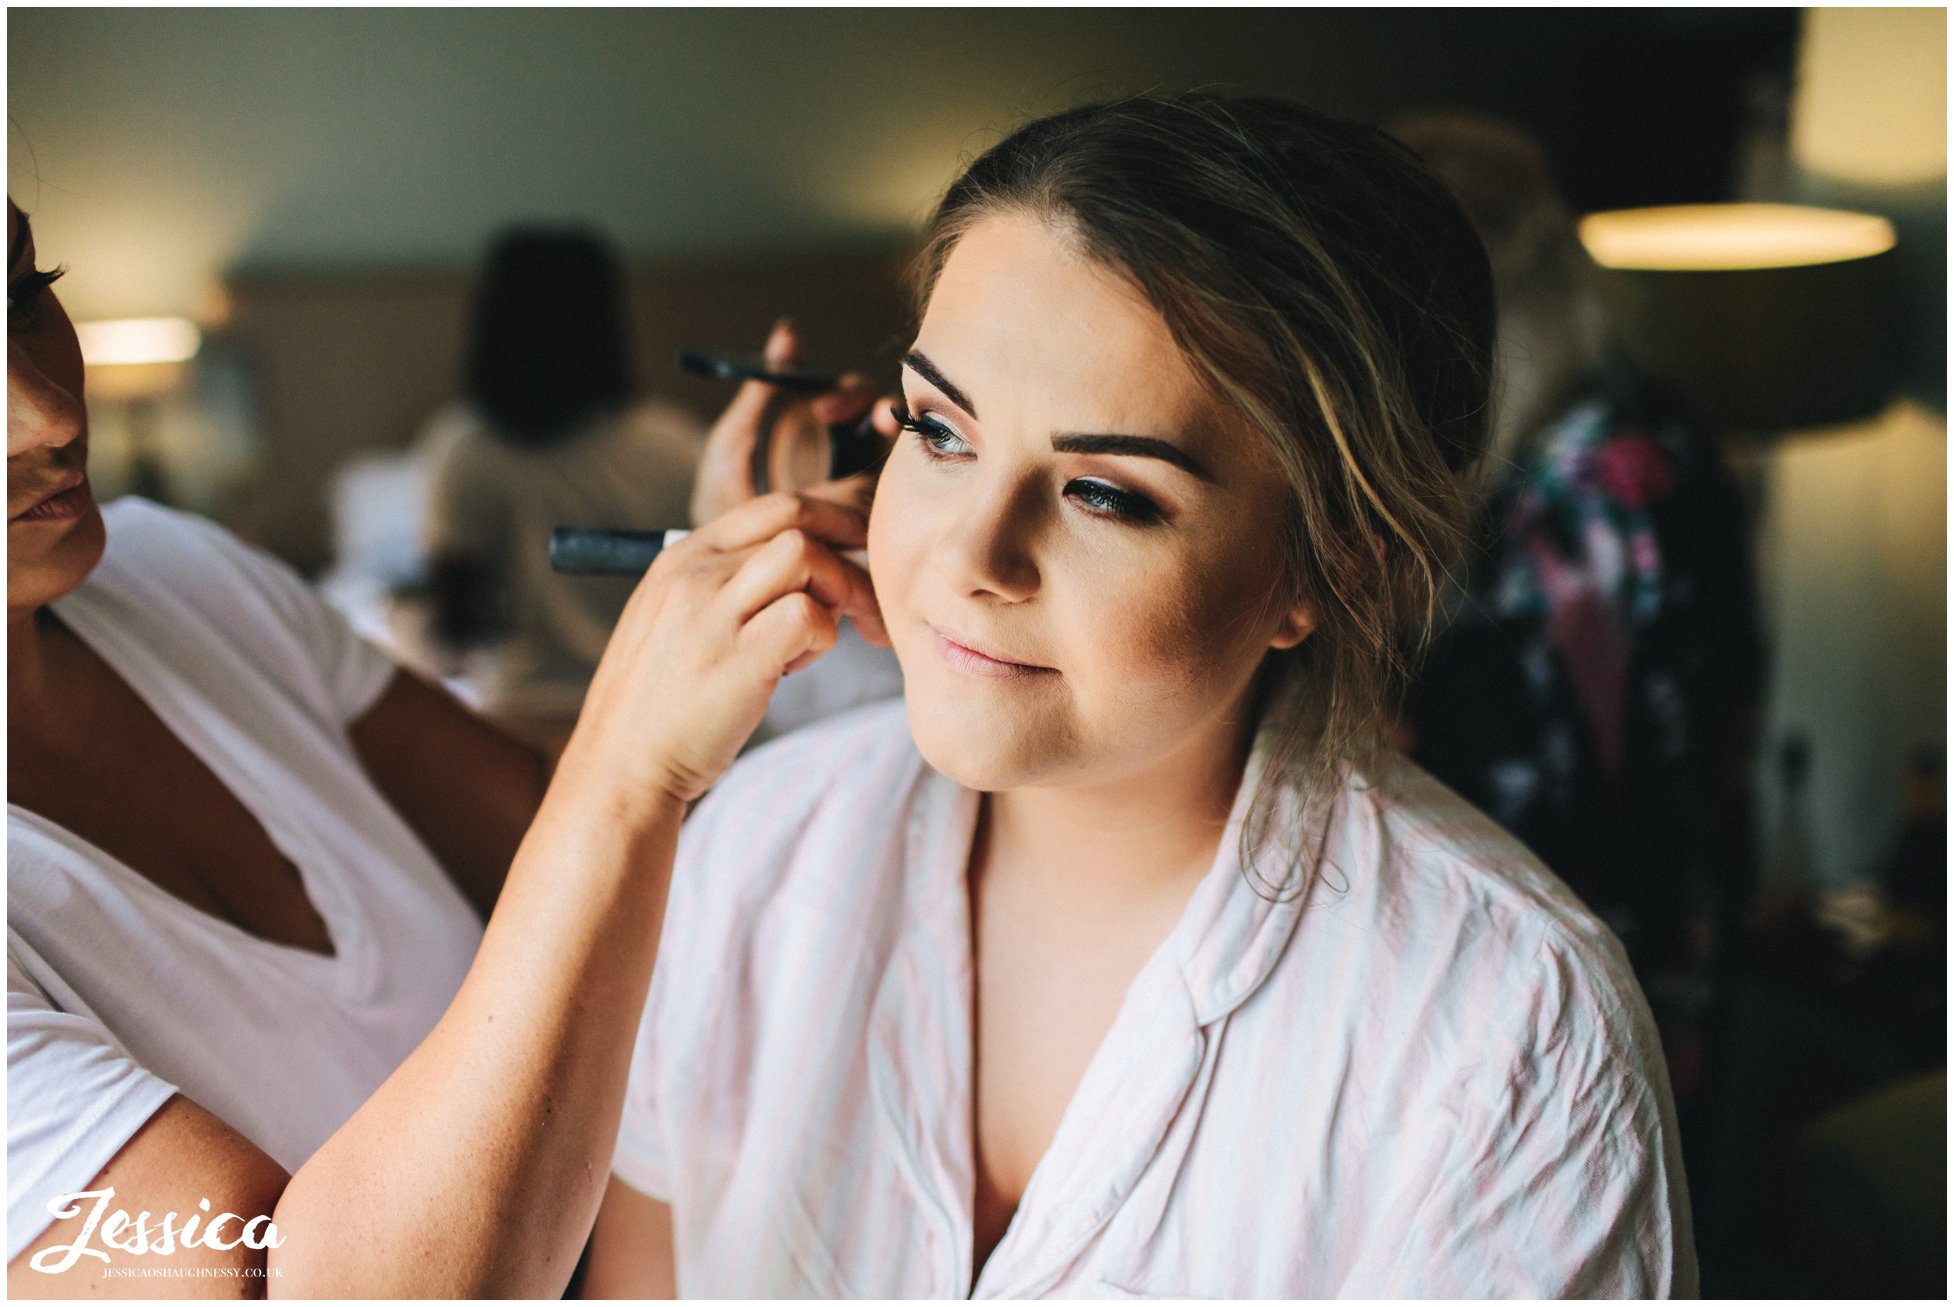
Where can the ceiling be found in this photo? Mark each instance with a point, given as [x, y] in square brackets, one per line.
[160, 150]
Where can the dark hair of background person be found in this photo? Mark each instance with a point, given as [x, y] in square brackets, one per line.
[547, 348]
[1333, 294]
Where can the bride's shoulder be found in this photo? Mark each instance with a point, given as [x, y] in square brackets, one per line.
[1455, 893]
[824, 816]
[1427, 843]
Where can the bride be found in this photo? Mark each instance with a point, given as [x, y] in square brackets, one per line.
[1122, 959]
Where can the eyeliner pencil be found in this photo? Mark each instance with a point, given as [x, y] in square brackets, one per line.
[598, 551]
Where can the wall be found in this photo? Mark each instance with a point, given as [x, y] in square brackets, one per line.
[165, 148]
[1854, 543]
[352, 362]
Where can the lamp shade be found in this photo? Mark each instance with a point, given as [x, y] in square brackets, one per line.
[137, 358]
[1758, 317]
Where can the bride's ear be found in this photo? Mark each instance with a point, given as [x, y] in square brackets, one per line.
[1296, 624]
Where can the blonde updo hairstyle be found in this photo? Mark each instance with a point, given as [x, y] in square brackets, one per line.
[1332, 294]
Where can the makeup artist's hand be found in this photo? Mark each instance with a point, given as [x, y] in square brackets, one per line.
[719, 618]
[725, 478]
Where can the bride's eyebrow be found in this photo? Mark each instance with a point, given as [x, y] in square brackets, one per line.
[1137, 446]
[918, 363]
[1071, 443]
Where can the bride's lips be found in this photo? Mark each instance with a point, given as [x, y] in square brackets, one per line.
[963, 658]
[63, 503]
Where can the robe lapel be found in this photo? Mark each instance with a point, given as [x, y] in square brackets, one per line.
[919, 1047]
[1132, 1091]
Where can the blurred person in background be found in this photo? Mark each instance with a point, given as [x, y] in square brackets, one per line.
[1597, 687]
[547, 432]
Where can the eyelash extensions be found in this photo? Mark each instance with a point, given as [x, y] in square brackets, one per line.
[1099, 498]
[1114, 502]
[927, 430]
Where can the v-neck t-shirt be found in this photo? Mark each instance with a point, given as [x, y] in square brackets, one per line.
[1430, 1074]
[120, 994]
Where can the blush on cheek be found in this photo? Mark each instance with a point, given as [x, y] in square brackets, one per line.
[1194, 658]
[888, 577]
[1182, 633]
[887, 517]
[880, 574]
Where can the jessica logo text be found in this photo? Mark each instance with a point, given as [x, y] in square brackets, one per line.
[136, 1236]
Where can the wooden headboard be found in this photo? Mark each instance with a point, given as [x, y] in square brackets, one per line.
[351, 362]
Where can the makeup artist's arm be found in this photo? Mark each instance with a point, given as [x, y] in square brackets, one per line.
[632, 1255]
[477, 1167]
[469, 790]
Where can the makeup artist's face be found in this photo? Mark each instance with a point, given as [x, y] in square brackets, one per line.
[54, 530]
[1076, 547]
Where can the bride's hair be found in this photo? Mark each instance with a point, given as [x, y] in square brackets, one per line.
[1332, 293]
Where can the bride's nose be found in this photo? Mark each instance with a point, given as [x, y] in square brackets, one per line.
[40, 411]
[989, 548]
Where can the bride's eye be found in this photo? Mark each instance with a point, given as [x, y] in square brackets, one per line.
[1111, 501]
[938, 441]
[941, 444]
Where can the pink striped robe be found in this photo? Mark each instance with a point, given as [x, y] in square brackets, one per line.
[1432, 1075]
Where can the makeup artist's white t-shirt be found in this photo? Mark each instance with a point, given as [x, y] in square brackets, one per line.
[118, 993]
[1430, 1076]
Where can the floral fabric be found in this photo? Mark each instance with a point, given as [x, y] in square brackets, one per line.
[1594, 690]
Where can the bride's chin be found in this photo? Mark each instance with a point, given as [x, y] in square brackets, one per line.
[978, 751]
[41, 569]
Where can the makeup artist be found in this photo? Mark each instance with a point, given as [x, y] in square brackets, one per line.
[248, 975]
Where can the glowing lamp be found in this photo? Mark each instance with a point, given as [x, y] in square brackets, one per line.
[1758, 317]
[139, 362]
[137, 358]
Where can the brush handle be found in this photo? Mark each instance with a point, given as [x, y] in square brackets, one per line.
[596, 551]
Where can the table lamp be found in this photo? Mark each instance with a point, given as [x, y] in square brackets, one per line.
[138, 362]
[1759, 318]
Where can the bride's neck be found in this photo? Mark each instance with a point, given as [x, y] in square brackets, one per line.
[1153, 830]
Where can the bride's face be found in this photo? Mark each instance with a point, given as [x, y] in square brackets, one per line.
[1077, 549]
